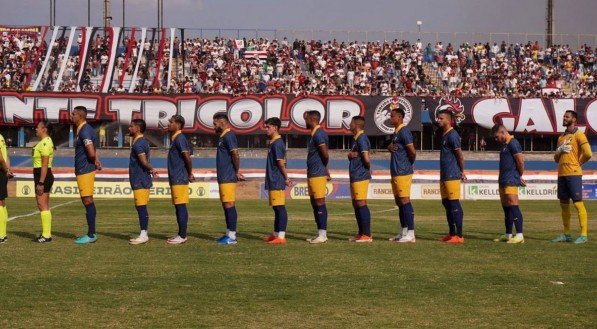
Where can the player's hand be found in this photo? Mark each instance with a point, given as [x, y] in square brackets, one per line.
[9, 173]
[522, 182]
[328, 177]
[98, 165]
[39, 190]
[352, 155]
[191, 177]
[155, 174]
[463, 177]
[564, 148]
[392, 147]
[289, 183]
[240, 177]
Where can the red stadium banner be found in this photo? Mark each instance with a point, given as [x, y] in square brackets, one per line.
[247, 113]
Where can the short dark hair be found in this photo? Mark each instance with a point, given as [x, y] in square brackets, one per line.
[399, 111]
[315, 114]
[359, 118]
[178, 118]
[573, 114]
[221, 116]
[140, 123]
[448, 112]
[274, 122]
[81, 109]
[496, 127]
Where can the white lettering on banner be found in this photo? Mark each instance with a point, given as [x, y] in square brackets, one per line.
[485, 111]
[533, 116]
[124, 109]
[591, 115]
[303, 105]
[273, 109]
[157, 112]
[247, 107]
[206, 111]
[187, 110]
[340, 113]
[52, 106]
[13, 107]
[560, 106]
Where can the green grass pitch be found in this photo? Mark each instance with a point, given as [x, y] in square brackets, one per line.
[254, 285]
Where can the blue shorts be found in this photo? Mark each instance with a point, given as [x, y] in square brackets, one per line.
[570, 187]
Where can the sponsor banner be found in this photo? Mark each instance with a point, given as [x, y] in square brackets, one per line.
[300, 191]
[530, 192]
[103, 190]
[29, 30]
[524, 115]
[428, 191]
[589, 191]
[246, 113]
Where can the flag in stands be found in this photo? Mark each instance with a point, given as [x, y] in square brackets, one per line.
[256, 54]
[239, 44]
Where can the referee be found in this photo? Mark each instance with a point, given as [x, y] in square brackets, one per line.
[43, 155]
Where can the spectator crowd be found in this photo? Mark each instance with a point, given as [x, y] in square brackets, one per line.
[301, 67]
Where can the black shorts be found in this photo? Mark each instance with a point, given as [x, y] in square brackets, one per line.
[48, 182]
[3, 185]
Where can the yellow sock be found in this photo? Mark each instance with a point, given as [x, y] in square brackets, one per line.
[583, 218]
[46, 223]
[566, 217]
[3, 221]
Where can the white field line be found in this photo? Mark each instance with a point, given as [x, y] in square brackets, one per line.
[37, 212]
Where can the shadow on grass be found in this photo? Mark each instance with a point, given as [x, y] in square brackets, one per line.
[119, 236]
[201, 236]
[64, 235]
[26, 235]
[158, 236]
[258, 236]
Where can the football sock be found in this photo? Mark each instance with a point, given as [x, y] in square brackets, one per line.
[516, 216]
[458, 216]
[357, 215]
[90, 213]
[143, 217]
[282, 217]
[366, 219]
[46, 223]
[409, 216]
[321, 217]
[449, 216]
[3, 221]
[401, 216]
[182, 217]
[231, 218]
[582, 217]
[566, 215]
[507, 220]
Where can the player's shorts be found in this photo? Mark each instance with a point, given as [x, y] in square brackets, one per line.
[228, 192]
[511, 190]
[48, 182]
[3, 185]
[277, 198]
[401, 185]
[570, 187]
[317, 187]
[141, 196]
[85, 184]
[359, 190]
[450, 189]
[180, 194]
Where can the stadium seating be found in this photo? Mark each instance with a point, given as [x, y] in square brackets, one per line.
[260, 66]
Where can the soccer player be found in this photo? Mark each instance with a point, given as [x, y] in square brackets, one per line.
[401, 168]
[140, 176]
[572, 152]
[510, 178]
[86, 163]
[228, 166]
[43, 179]
[276, 180]
[359, 170]
[317, 174]
[180, 174]
[5, 174]
[451, 162]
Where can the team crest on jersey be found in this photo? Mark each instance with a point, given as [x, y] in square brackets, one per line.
[453, 104]
[384, 109]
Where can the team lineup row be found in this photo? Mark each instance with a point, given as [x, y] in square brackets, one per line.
[572, 152]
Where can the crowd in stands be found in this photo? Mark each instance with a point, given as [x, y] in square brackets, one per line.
[304, 67]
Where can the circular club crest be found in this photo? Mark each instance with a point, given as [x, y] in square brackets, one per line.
[384, 109]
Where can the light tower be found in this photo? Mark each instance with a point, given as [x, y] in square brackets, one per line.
[107, 15]
[549, 27]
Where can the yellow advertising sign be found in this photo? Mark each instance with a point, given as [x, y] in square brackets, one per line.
[107, 190]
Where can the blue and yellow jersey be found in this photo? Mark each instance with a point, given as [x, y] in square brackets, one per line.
[85, 136]
[3, 149]
[448, 162]
[315, 166]
[509, 175]
[399, 162]
[356, 168]
[45, 148]
[224, 166]
[177, 171]
[569, 163]
[274, 180]
[138, 176]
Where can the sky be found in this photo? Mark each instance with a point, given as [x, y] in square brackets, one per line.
[479, 16]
